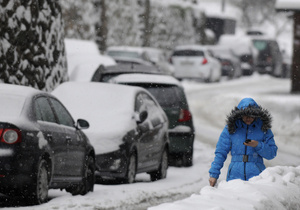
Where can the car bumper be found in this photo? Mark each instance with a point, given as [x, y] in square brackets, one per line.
[192, 73]
[16, 172]
[112, 165]
[181, 143]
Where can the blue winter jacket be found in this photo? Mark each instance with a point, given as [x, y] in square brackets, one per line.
[246, 161]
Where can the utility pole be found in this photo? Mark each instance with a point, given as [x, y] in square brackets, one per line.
[223, 5]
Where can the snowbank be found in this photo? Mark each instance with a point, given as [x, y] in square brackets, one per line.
[275, 188]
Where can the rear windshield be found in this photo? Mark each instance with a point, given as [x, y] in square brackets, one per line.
[261, 44]
[126, 54]
[188, 53]
[11, 106]
[166, 95]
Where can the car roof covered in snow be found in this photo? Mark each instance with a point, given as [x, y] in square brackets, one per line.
[142, 78]
[17, 90]
[191, 47]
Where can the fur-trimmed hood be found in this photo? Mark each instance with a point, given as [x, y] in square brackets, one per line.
[248, 107]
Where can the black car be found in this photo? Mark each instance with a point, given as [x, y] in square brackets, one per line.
[103, 74]
[41, 147]
[269, 58]
[170, 94]
[128, 128]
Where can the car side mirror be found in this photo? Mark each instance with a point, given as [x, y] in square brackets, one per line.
[82, 124]
[142, 117]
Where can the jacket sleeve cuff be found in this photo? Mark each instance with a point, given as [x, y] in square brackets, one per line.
[259, 146]
[214, 175]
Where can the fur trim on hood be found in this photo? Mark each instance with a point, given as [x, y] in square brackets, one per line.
[248, 107]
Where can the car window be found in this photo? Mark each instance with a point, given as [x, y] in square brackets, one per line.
[188, 53]
[260, 44]
[154, 113]
[43, 110]
[63, 116]
[166, 95]
[129, 54]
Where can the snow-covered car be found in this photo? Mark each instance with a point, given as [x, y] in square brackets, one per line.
[128, 128]
[41, 146]
[243, 47]
[231, 64]
[84, 58]
[170, 94]
[141, 55]
[195, 62]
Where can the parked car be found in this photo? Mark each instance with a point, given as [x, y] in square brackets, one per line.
[141, 55]
[231, 64]
[195, 62]
[170, 94]
[41, 146]
[269, 59]
[103, 74]
[243, 47]
[128, 128]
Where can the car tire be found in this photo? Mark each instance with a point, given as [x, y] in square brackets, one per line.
[88, 179]
[161, 173]
[39, 191]
[131, 170]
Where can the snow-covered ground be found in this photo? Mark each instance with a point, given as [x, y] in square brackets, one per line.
[276, 188]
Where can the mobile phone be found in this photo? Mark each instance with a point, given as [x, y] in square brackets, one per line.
[247, 140]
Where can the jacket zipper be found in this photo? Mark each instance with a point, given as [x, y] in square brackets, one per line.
[245, 154]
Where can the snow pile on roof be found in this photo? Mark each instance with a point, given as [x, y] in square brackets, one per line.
[288, 4]
[108, 108]
[83, 55]
[275, 188]
[143, 78]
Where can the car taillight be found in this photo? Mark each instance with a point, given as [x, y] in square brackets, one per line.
[205, 61]
[184, 115]
[226, 63]
[10, 136]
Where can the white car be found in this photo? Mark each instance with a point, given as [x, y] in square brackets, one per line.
[195, 62]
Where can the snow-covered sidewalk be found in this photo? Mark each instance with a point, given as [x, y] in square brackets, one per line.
[275, 188]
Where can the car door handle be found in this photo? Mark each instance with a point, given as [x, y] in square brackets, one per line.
[68, 138]
[49, 136]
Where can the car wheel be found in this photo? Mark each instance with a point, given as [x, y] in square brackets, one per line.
[39, 191]
[131, 170]
[161, 173]
[88, 179]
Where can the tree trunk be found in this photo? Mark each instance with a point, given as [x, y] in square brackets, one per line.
[295, 74]
[102, 28]
[147, 30]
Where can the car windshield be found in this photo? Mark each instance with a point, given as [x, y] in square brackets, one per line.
[11, 105]
[188, 53]
[126, 54]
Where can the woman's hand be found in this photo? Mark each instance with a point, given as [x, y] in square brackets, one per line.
[252, 143]
[212, 181]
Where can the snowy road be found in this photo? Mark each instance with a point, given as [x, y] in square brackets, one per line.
[209, 104]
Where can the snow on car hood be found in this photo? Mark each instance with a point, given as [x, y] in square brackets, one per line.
[108, 108]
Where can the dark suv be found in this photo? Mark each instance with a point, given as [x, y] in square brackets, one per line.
[269, 59]
[170, 95]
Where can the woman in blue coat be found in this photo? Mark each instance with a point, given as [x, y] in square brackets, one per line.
[249, 138]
